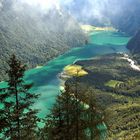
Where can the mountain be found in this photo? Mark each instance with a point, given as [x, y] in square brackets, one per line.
[34, 35]
[127, 19]
[123, 15]
[134, 44]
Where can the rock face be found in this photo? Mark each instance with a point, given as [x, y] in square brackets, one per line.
[134, 44]
[35, 36]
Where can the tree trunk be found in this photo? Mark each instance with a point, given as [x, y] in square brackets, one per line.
[17, 111]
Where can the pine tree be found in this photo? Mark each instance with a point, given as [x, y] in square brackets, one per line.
[61, 123]
[79, 111]
[95, 117]
[19, 119]
[75, 116]
[64, 119]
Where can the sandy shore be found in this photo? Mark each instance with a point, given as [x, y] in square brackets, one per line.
[89, 28]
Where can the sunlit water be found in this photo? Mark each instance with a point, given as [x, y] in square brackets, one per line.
[45, 79]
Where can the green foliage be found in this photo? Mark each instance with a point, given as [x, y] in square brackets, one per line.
[113, 83]
[70, 120]
[18, 121]
[120, 97]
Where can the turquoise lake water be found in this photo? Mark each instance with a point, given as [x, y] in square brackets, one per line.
[45, 79]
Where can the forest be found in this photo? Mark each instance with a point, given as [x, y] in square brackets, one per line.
[69, 70]
[75, 115]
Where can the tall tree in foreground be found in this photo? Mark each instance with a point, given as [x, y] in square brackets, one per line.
[18, 119]
[75, 116]
[63, 120]
[96, 118]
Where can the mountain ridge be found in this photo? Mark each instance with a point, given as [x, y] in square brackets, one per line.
[36, 37]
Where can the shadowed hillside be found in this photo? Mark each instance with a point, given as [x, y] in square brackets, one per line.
[134, 46]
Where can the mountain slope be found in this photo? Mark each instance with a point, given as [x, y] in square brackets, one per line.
[116, 87]
[134, 47]
[35, 36]
[134, 44]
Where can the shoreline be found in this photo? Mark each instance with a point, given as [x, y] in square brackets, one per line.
[90, 28]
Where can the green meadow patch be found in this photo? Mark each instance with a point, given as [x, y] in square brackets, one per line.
[113, 83]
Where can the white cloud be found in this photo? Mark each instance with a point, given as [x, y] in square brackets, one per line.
[43, 4]
[1, 3]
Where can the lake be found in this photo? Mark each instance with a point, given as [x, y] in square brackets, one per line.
[45, 79]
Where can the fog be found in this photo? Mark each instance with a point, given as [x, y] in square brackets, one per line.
[101, 11]
[123, 14]
[83, 10]
[40, 5]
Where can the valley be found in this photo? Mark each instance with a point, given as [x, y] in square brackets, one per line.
[69, 70]
[46, 80]
[32, 35]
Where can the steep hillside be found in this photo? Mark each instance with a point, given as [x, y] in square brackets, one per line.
[35, 36]
[134, 46]
[126, 16]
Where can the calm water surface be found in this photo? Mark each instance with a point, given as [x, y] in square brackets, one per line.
[45, 79]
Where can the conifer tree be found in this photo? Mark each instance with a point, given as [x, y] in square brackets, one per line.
[19, 120]
[79, 111]
[63, 118]
[93, 117]
[75, 115]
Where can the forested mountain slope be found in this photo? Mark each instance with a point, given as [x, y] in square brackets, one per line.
[35, 36]
[116, 87]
